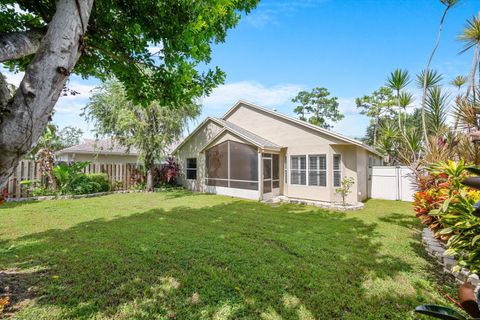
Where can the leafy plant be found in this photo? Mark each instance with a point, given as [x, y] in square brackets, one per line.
[345, 188]
[67, 175]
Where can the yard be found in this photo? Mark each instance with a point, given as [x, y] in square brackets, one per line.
[180, 255]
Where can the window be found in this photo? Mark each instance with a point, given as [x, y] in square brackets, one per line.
[192, 168]
[298, 170]
[317, 170]
[276, 171]
[337, 170]
[232, 164]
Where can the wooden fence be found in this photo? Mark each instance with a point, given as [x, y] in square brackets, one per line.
[121, 175]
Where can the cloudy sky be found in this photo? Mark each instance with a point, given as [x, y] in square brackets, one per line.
[346, 46]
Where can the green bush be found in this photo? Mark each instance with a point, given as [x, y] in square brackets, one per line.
[102, 179]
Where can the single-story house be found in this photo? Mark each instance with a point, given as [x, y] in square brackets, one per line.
[257, 153]
[98, 151]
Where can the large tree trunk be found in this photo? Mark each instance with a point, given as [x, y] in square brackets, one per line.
[27, 113]
[15, 45]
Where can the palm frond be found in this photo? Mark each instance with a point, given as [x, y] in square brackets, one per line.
[429, 77]
[459, 81]
[436, 107]
[470, 34]
[406, 99]
[398, 79]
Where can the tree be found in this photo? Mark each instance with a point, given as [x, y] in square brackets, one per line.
[152, 47]
[448, 5]
[55, 139]
[374, 106]
[436, 106]
[150, 129]
[471, 36]
[317, 107]
[397, 81]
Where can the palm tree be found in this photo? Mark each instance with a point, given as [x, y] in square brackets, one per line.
[436, 110]
[397, 81]
[471, 37]
[405, 100]
[448, 5]
[430, 78]
[459, 82]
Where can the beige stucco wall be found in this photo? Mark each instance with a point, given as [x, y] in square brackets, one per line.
[296, 140]
[300, 140]
[191, 149]
[97, 158]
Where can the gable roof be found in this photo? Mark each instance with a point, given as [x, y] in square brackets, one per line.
[250, 136]
[235, 130]
[105, 146]
[302, 123]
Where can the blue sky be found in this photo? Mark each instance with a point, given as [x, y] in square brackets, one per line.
[347, 46]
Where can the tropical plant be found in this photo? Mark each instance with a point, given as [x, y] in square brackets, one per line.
[471, 36]
[345, 188]
[68, 175]
[429, 78]
[317, 107]
[387, 144]
[397, 81]
[436, 106]
[459, 81]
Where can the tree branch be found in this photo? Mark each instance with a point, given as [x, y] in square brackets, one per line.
[15, 45]
[30, 109]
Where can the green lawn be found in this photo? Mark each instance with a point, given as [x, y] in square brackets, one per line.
[178, 255]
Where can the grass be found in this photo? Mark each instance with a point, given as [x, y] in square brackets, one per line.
[178, 255]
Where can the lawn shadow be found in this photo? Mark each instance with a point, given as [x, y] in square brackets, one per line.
[235, 260]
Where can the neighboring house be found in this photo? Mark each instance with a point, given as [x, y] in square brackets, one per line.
[257, 153]
[98, 151]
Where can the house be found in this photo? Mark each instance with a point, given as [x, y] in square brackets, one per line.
[257, 153]
[98, 151]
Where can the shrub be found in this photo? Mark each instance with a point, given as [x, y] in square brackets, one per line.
[447, 208]
[102, 179]
[42, 191]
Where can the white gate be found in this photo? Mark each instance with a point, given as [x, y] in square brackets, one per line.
[392, 183]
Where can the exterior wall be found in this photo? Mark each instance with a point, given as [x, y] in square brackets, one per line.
[97, 158]
[300, 140]
[362, 174]
[233, 192]
[191, 149]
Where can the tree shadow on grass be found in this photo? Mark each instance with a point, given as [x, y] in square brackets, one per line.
[235, 260]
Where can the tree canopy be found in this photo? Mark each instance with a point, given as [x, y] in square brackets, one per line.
[317, 107]
[159, 50]
[152, 129]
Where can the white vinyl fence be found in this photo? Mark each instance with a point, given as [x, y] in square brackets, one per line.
[392, 183]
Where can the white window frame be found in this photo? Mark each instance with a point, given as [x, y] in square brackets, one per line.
[191, 169]
[339, 170]
[318, 170]
[299, 169]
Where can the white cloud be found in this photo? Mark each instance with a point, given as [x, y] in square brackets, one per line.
[227, 94]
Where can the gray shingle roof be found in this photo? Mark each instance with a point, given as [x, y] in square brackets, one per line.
[252, 136]
[105, 146]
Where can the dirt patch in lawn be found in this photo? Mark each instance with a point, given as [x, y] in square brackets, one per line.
[17, 289]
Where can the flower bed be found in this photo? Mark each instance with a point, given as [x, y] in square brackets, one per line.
[445, 206]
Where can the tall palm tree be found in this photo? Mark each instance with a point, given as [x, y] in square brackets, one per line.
[471, 36]
[397, 81]
[448, 5]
